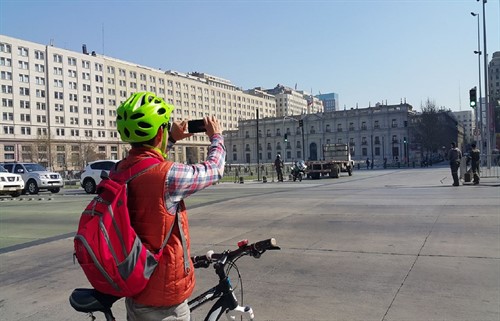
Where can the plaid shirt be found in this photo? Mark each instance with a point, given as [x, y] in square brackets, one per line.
[184, 180]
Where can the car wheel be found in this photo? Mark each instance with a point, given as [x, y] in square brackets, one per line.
[55, 190]
[32, 187]
[16, 194]
[89, 186]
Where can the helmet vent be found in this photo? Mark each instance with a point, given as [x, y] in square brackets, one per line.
[118, 117]
[137, 116]
[141, 133]
[142, 124]
[126, 132]
[161, 111]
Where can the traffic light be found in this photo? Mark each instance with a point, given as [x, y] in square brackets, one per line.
[473, 97]
[404, 140]
[286, 137]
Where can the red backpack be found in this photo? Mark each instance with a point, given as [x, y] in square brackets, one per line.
[108, 249]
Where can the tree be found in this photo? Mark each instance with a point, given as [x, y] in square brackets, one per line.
[434, 128]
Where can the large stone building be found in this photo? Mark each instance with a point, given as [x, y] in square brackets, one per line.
[58, 107]
[375, 132]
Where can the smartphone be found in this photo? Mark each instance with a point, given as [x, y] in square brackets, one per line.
[196, 126]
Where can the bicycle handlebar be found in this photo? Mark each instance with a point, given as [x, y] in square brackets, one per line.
[255, 250]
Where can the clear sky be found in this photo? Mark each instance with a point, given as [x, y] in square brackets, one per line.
[366, 51]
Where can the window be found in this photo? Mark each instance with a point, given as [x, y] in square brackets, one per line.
[7, 102]
[24, 91]
[40, 55]
[5, 47]
[394, 123]
[71, 61]
[24, 104]
[5, 62]
[58, 58]
[39, 68]
[86, 64]
[22, 51]
[6, 75]
[23, 65]
[40, 81]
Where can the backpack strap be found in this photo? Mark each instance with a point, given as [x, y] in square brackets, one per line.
[133, 171]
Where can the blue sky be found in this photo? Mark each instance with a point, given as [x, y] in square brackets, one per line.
[367, 51]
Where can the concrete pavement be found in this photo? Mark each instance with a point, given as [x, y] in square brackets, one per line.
[380, 245]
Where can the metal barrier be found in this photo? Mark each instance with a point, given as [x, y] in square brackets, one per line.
[237, 172]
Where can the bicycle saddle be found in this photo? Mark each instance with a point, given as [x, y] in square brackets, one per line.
[91, 300]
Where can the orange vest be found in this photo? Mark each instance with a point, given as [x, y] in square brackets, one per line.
[170, 283]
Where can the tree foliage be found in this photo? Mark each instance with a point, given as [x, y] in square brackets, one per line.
[433, 128]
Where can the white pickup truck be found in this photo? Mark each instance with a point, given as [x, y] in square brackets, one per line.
[36, 177]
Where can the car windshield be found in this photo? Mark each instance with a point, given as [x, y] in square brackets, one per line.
[35, 168]
[3, 170]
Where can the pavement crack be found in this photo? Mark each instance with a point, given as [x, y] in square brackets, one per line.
[411, 268]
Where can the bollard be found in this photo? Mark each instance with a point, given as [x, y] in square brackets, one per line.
[264, 179]
[241, 180]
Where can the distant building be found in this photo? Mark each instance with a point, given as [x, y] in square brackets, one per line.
[468, 120]
[330, 101]
[494, 85]
[58, 107]
[375, 132]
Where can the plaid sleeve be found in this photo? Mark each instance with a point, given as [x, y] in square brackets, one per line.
[184, 180]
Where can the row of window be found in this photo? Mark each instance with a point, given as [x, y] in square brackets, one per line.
[26, 131]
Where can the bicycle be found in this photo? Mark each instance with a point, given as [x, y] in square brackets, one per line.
[90, 300]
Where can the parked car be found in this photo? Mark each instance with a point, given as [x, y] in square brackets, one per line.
[91, 175]
[12, 184]
[36, 177]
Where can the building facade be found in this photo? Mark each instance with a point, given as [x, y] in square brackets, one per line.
[330, 101]
[468, 120]
[375, 132]
[289, 102]
[58, 107]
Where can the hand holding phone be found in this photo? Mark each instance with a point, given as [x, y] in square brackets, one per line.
[196, 126]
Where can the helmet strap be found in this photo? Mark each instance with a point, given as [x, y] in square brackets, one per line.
[161, 150]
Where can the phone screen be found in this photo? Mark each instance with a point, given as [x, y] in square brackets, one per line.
[196, 126]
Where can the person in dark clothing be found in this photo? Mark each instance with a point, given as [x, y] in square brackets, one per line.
[367, 163]
[278, 164]
[454, 156]
[475, 155]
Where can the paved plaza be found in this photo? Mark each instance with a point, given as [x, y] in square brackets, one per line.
[400, 244]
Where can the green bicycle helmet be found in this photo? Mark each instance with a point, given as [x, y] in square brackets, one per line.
[140, 116]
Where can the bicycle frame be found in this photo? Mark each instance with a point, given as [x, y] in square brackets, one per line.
[226, 303]
[90, 300]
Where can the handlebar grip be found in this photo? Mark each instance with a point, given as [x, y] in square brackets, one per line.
[269, 244]
[202, 260]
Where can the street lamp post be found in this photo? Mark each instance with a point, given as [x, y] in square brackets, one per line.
[479, 120]
[486, 94]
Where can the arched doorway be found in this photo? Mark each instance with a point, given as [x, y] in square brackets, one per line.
[313, 151]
